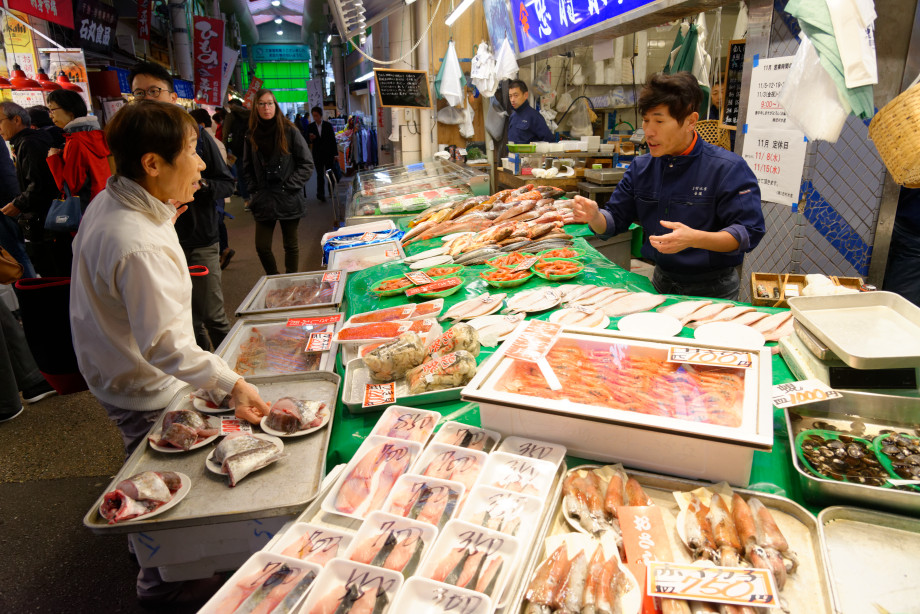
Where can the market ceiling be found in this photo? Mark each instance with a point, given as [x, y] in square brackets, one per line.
[309, 15]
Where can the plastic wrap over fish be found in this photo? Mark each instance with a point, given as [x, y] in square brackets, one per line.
[357, 240]
[390, 361]
[449, 371]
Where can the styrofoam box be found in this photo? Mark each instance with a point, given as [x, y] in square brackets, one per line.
[454, 433]
[325, 542]
[424, 595]
[408, 485]
[359, 229]
[192, 553]
[379, 526]
[533, 448]
[340, 574]
[258, 569]
[518, 474]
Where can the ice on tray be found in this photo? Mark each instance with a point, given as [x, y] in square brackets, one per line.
[425, 499]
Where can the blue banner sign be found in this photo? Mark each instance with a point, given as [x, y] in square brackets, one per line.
[540, 22]
[184, 89]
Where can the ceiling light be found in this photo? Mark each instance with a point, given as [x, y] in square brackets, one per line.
[410, 1]
[280, 32]
[364, 77]
[457, 12]
[276, 2]
[278, 20]
[329, 39]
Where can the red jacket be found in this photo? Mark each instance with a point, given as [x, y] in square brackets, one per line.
[85, 156]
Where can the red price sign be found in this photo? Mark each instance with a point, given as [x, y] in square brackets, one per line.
[439, 365]
[319, 342]
[391, 253]
[332, 276]
[234, 425]
[751, 587]
[441, 284]
[525, 264]
[367, 236]
[535, 341]
[379, 394]
[712, 358]
[314, 321]
[419, 278]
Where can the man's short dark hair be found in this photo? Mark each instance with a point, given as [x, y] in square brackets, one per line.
[157, 71]
[201, 116]
[40, 116]
[316, 110]
[71, 102]
[517, 83]
[679, 92]
[147, 126]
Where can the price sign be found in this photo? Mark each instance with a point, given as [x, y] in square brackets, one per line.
[367, 236]
[533, 344]
[525, 264]
[419, 278]
[441, 284]
[332, 276]
[802, 392]
[379, 394]
[233, 425]
[319, 342]
[751, 587]
[712, 358]
[440, 365]
[317, 321]
[391, 253]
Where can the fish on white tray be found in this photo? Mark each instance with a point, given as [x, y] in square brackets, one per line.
[481, 305]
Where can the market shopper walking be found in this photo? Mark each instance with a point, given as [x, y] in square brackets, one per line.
[198, 229]
[276, 164]
[18, 371]
[321, 136]
[11, 237]
[204, 121]
[233, 133]
[131, 293]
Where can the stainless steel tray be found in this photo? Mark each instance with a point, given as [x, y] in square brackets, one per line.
[872, 560]
[230, 346]
[871, 412]
[282, 489]
[817, 347]
[868, 330]
[254, 303]
[347, 258]
[357, 377]
[806, 590]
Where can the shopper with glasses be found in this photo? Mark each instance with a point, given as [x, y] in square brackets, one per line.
[276, 163]
[198, 228]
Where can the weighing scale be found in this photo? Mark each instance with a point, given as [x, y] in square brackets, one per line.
[604, 176]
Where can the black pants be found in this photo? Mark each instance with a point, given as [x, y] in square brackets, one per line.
[719, 284]
[264, 232]
[320, 166]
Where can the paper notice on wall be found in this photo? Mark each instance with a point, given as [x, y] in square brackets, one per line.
[767, 79]
[777, 158]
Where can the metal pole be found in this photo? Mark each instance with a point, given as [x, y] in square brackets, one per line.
[180, 37]
[421, 23]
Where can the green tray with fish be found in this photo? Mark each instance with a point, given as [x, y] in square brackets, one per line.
[577, 252]
[454, 271]
[880, 445]
[579, 268]
[511, 283]
[392, 291]
[873, 473]
[443, 293]
[503, 260]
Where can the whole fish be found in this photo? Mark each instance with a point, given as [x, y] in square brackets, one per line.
[478, 256]
[532, 301]
[517, 209]
[458, 245]
[635, 302]
[417, 231]
[683, 309]
[481, 305]
[539, 229]
[524, 216]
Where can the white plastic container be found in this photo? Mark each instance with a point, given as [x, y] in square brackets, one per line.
[500, 510]
[382, 225]
[341, 575]
[466, 436]
[255, 572]
[408, 423]
[535, 449]
[312, 543]
[518, 474]
[418, 497]
[430, 597]
[452, 463]
[378, 527]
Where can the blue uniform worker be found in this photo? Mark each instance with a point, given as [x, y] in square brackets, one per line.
[526, 124]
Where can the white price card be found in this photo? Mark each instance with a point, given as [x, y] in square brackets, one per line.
[379, 394]
[332, 276]
[319, 342]
[233, 425]
[712, 358]
[801, 392]
[750, 587]
[418, 278]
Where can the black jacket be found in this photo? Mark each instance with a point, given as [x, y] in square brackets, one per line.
[36, 183]
[323, 146]
[197, 227]
[284, 200]
[9, 184]
[234, 130]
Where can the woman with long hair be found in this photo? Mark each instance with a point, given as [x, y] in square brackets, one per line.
[276, 165]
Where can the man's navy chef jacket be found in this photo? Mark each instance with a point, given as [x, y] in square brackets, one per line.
[527, 126]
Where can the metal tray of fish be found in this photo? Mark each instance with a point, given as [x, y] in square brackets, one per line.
[283, 488]
[357, 377]
[277, 345]
[806, 590]
[871, 560]
[888, 325]
[860, 414]
[364, 256]
[278, 293]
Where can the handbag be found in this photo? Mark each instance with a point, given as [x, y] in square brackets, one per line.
[10, 269]
[64, 215]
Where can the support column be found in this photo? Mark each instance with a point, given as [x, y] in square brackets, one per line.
[338, 71]
[421, 63]
[182, 48]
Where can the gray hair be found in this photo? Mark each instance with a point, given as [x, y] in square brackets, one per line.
[11, 110]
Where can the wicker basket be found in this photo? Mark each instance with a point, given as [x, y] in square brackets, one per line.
[710, 132]
[895, 131]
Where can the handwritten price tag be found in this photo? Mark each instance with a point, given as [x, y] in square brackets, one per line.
[391, 253]
[752, 587]
[802, 392]
[233, 425]
[332, 276]
[419, 278]
[319, 342]
[441, 284]
[314, 321]
[713, 358]
[525, 264]
[379, 394]
[367, 236]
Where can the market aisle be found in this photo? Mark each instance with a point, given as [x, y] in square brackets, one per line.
[57, 456]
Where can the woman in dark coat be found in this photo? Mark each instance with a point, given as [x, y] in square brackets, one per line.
[276, 165]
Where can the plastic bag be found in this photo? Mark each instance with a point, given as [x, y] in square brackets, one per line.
[854, 22]
[542, 84]
[466, 124]
[450, 80]
[495, 119]
[810, 97]
[579, 121]
[563, 102]
[482, 72]
[450, 116]
[506, 66]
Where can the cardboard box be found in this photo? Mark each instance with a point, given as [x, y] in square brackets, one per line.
[781, 286]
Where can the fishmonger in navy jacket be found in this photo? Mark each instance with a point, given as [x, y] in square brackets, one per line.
[526, 124]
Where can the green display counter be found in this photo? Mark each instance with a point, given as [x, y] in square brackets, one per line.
[771, 472]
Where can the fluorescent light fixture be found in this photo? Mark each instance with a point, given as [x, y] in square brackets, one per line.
[329, 39]
[276, 2]
[278, 20]
[365, 77]
[280, 32]
[457, 12]
[410, 1]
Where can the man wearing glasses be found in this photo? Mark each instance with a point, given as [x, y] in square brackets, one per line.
[198, 227]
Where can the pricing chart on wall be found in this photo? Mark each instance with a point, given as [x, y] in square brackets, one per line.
[403, 88]
[731, 104]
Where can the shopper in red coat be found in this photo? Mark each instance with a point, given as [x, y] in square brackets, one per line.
[84, 162]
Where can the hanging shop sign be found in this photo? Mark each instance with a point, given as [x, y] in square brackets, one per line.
[95, 26]
[184, 89]
[208, 49]
[314, 94]
[124, 83]
[17, 40]
[57, 11]
[281, 53]
[229, 63]
[402, 88]
[250, 97]
[731, 100]
[542, 22]
[144, 18]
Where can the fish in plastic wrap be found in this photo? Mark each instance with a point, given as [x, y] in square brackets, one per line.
[357, 240]
[448, 371]
[460, 336]
[390, 361]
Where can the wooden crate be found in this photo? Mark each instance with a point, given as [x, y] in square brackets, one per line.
[788, 285]
[770, 284]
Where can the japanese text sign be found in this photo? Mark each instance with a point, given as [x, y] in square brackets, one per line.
[315, 321]
[767, 80]
[254, 87]
[96, 25]
[144, 18]
[712, 358]
[57, 11]
[319, 342]
[208, 48]
[751, 587]
[799, 393]
[379, 394]
[777, 158]
[540, 22]
[419, 278]
[441, 284]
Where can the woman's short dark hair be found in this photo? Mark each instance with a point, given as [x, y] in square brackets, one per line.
[147, 126]
[71, 102]
[679, 92]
